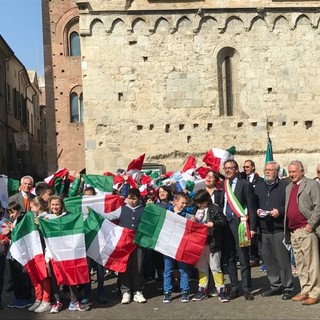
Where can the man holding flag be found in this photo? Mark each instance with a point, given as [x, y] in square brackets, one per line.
[240, 210]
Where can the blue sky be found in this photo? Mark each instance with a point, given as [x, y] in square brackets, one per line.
[21, 27]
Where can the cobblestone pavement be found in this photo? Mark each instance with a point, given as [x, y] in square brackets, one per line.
[211, 308]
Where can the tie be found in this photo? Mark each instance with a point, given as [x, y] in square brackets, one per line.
[229, 213]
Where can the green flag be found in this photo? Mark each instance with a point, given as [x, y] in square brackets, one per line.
[269, 152]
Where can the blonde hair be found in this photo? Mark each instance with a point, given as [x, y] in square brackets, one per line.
[38, 201]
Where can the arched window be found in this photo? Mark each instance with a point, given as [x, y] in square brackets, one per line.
[74, 41]
[226, 81]
[76, 108]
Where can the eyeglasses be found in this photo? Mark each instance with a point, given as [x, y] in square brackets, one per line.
[247, 167]
[229, 168]
[267, 170]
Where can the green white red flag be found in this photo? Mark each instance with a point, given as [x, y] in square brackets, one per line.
[26, 248]
[101, 183]
[171, 234]
[107, 243]
[101, 204]
[65, 242]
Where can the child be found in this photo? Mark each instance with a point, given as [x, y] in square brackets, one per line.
[132, 279]
[57, 210]
[211, 215]
[44, 191]
[93, 265]
[20, 278]
[179, 204]
[42, 290]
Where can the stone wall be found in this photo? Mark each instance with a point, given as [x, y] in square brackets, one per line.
[151, 85]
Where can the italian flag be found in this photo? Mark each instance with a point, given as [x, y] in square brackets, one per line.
[102, 204]
[169, 233]
[100, 182]
[26, 248]
[64, 238]
[215, 157]
[107, 243]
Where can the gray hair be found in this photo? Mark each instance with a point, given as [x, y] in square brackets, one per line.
[298, 164]
[27, 177]
[276, 164]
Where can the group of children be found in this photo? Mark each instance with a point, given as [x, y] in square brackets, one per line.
[131, 282]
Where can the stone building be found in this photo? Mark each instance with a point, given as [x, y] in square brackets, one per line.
[22, 119]
[176, 78]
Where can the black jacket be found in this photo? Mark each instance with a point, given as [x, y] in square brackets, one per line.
[268, 199]
[214, 238]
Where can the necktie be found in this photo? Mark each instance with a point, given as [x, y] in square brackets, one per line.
[229, 213]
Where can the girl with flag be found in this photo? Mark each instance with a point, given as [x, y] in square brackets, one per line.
[211, 215]
[42, 289]
[57, 210]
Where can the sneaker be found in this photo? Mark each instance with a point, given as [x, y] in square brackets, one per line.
[23, 303]
[213, 293]
[86, 302]
[77, 306]
[201, 294]
[56, 308]
[43, 307]
[223, 295]
[13, 304]
[126, 297]
[35, 305]
[138, 297]
[185, 297]
[103, 299]
[263, 268]
[167, 297]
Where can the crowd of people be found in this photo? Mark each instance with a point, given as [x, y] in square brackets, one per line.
[274, 220]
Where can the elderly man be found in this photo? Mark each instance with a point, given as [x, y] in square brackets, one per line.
[24, 196]
[271, 203]
[302, 225]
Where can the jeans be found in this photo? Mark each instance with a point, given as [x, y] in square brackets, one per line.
[168, 274]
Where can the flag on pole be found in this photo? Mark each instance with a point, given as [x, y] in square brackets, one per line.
[61, 173]
[269, 151]
[65, 242]
[107, 243]
[135, 166]
[101, 204]
[169, 233]
[101, 183]
[26, 248]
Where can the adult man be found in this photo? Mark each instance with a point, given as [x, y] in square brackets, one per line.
[23, 197]
[271, 203]
[301, 220]
[249, 173]
[243, 205]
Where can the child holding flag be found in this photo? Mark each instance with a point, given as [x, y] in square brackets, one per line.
[211, 215]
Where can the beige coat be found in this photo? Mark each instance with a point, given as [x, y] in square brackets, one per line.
[308, 199]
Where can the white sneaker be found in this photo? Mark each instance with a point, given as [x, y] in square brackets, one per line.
[44, 306]
[138, 297]
[35, 305]
[126, 297]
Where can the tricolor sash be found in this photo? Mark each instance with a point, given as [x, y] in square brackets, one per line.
[243, 229]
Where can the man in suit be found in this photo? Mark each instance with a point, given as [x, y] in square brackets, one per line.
[249, 173]
[242, 190]
[302, 228]
[24, 196]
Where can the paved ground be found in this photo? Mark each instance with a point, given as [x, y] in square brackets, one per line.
[211, 308]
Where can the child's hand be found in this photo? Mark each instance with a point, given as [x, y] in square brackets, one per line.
[193, 219]
[209, 224]
[36, 220]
